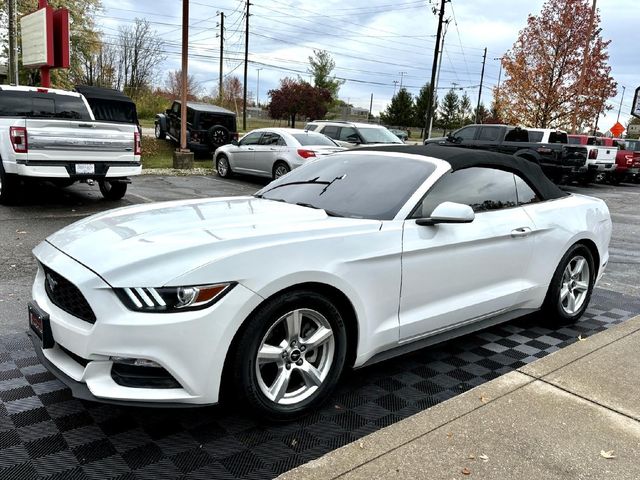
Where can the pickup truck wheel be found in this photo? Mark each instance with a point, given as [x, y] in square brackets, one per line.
[112, 190]
[160, 134]
[8, 187]
[217, 136]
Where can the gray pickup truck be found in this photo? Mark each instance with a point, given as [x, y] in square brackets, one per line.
[560, 162]
[51, 134]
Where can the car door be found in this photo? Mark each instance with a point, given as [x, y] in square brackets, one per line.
[456, 273]
[241, 160]
[267, 152]
[465, 135]
[488, 137]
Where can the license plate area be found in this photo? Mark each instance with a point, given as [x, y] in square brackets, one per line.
[40, 324]
[85, 169]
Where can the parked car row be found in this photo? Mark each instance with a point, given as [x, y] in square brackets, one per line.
[564, 158]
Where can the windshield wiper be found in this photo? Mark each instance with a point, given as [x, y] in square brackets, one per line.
[302, 182]
[328, 212]
[331, 182]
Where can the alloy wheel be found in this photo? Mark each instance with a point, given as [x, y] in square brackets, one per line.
[223, 166]
[575, 285]
[295, 356]
[280, 171]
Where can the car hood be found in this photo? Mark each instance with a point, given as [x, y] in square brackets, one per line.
[149, 245]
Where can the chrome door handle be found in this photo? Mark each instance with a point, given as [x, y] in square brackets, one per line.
[273, 149]
[521, 232]
[249, 148]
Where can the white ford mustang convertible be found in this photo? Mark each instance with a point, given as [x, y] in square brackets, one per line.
[345, 261]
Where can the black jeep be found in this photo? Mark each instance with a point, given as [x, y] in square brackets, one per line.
[208, 126]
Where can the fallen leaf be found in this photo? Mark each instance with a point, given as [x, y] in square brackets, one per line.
[472, 457]
[608, 455]
[450, 434]
[466, 471]
[580, 339]
[361, 445]
[484, 399]
[484, 458]
[21, 232]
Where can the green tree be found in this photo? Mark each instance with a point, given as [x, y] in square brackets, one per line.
[481, 113]
[401, 111]
[449, 111]
[422, 100]
[321, 65]
[464, 110]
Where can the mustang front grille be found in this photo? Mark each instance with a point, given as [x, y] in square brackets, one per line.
[65, 295]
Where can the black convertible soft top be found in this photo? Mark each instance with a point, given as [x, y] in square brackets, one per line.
[109, 105]
[460, 158]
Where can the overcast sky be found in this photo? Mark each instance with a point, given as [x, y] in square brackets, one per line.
[373, 42]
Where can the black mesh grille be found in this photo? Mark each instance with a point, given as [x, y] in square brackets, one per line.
[65, 295]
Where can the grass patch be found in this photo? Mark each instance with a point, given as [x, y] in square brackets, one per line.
[159, 154]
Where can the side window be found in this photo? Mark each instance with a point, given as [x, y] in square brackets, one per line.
[483, 189]
[252, 138]
[175, 108]
[516, 135]
[331, 131]
[489, 134]
[525, 193]
[270, 138]
[535, 137]
[43, 107]
[467, 133]
[191, 115]
[311, 126]
[349, 134]
[558, 137]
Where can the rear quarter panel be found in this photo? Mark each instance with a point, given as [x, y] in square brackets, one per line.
[561, 223]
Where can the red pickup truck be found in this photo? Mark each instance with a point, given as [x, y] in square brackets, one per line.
[627, 160]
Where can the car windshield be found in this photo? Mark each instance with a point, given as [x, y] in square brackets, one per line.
[377, 135]
[371, 186]
[312, 138]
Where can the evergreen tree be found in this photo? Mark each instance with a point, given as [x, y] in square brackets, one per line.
[422, 99]
[464, 110]
[321, 65]
[400, 112]
[449, 111]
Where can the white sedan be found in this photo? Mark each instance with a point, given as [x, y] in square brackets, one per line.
[272, 152]
[346, 261]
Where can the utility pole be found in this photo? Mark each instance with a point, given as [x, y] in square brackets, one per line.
[434, 68]
[246, 65]
[585, 59]
[220, 92]
[435, 88]
[258, 88]
[13, 60]
[182, 157]
[395, 84]
[484, 60]
[620, 107]
[370, 108]
[402, 74]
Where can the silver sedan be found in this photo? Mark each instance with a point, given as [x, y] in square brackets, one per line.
[271, 152]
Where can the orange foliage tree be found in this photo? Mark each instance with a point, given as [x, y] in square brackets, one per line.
[544, 67]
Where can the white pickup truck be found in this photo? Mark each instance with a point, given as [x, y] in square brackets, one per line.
[51, 134]
[601, 160]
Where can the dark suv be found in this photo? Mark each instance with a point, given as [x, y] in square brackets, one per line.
[208, 126]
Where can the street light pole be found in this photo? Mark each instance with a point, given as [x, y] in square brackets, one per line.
[620, 107]
[395, 84]
[258, 88]
[402, 74]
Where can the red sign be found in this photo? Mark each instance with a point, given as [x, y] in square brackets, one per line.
[617, 129]
[61, 38]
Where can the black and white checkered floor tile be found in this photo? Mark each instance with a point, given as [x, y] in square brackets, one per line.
[47, 434]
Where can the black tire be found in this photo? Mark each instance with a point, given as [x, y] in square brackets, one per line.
[223, 167]
[243, 359]
[615, 179]
[553, 306]
[217, 136]
[160, 133]
[9, 185]
[112, 190]
[280, 168]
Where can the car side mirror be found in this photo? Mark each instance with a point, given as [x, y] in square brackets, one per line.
[235, 142]
[449, 212]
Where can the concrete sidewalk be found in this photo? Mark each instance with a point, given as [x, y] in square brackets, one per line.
[557, 418]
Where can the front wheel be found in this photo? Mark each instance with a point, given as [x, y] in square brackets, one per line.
[290, 355]
[112, 190]
[571, 286]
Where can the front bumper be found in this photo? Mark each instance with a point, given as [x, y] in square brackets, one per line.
[190, 346]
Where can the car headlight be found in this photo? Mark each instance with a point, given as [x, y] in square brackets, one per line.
[172, 299]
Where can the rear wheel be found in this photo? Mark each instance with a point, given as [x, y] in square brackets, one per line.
[8, 187]
[571, 286]
[112, 190]
[160, 134]
[280, 169]
[222, 166]
[290, 355]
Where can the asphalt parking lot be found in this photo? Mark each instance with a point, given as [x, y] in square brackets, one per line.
[43, 431]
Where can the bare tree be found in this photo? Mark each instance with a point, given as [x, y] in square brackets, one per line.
[140, 51]
[173, 85]
[231, 94]
[99, 67]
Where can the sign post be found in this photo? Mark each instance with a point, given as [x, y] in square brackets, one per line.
[635, 106]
